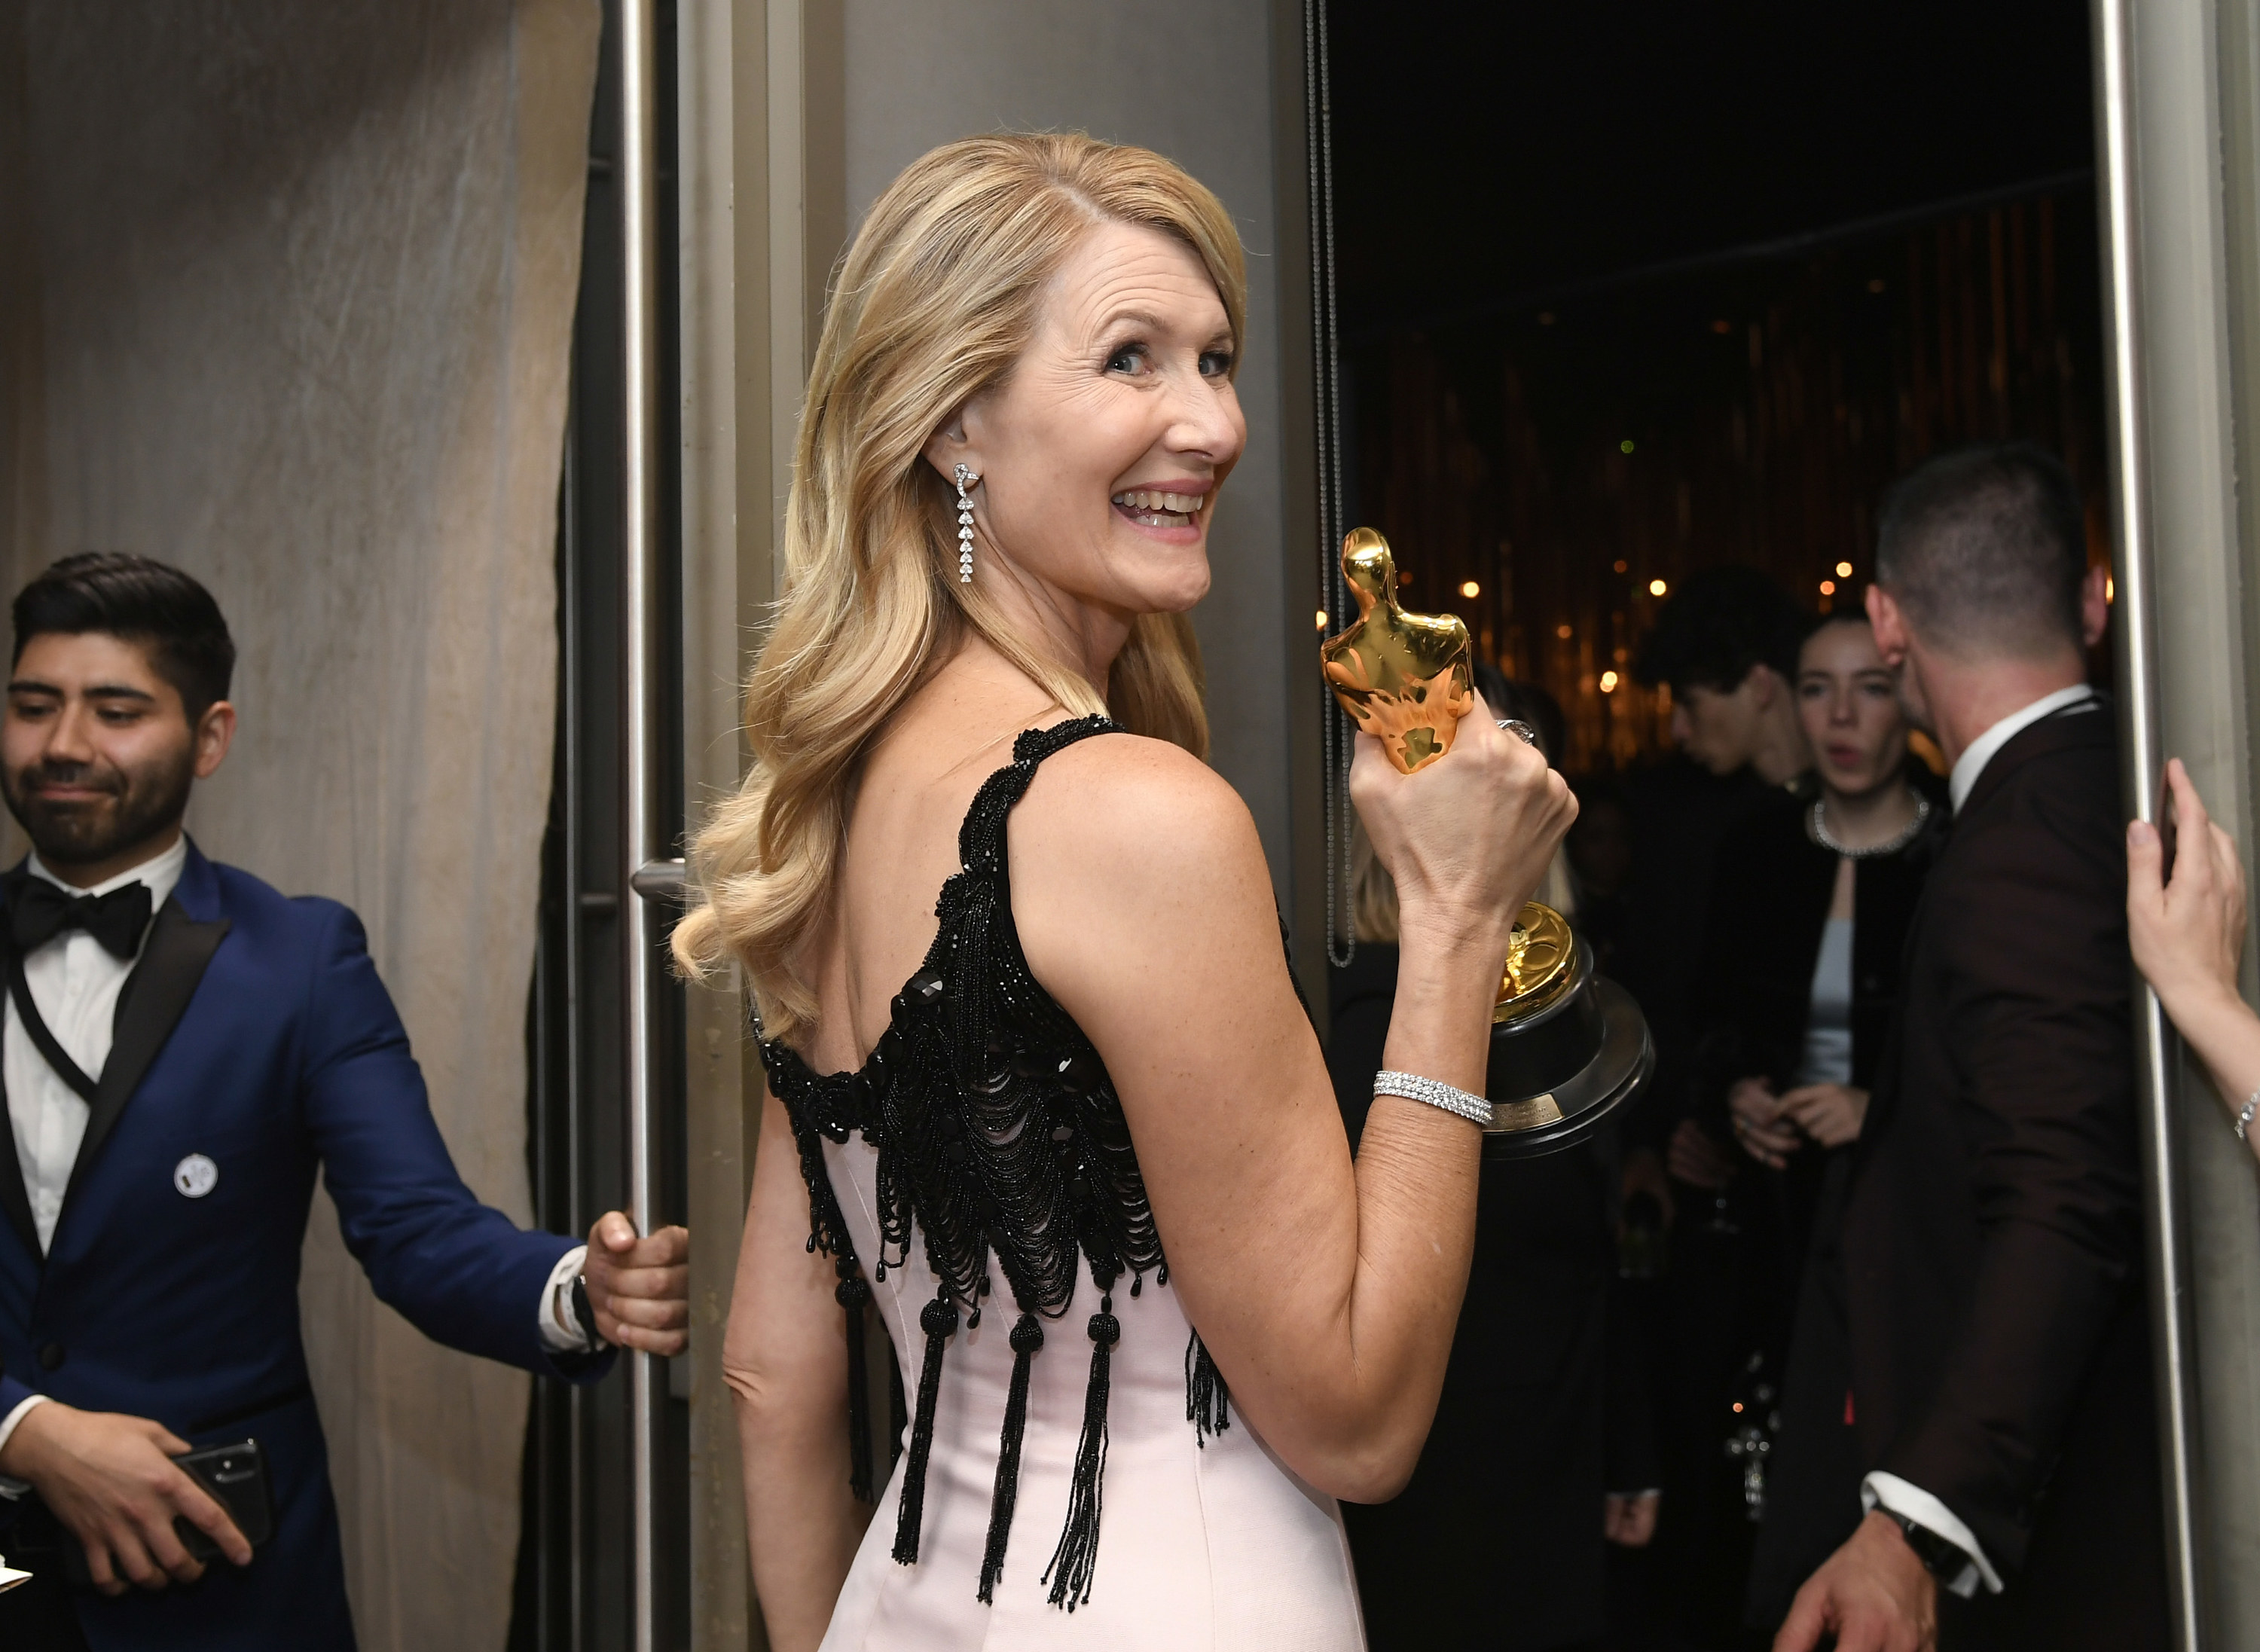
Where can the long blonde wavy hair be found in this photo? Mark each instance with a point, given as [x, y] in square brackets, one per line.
[934, 303]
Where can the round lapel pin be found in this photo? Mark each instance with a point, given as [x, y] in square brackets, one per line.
[196, 1176]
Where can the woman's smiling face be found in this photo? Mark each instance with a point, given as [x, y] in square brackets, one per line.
[1101, 456]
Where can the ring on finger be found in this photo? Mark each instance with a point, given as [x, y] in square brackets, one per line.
[1520, 729]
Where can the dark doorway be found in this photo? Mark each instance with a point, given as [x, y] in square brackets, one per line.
[1628, 290]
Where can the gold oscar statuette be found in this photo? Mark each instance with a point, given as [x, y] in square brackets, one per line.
[1403, 678]
[1567, 1047]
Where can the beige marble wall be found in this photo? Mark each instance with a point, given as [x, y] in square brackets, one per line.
[285, 298]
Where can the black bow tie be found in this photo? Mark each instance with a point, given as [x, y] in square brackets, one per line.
[38, 911]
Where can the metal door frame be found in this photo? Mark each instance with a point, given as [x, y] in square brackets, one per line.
[2177, 116]
[604, 1562]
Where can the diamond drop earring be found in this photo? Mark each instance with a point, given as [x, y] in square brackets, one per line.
[965, 480]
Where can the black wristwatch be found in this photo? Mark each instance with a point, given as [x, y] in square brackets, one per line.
[1941, 1557]
[583, 1315]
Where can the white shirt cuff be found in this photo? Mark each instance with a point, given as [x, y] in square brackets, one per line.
[1899, 1497]
[13, 1489]
[561, 1332]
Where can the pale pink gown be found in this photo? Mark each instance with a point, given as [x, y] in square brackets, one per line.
[1202, 1548]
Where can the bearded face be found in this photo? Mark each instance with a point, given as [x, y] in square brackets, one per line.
[80, 813]
[97, 755]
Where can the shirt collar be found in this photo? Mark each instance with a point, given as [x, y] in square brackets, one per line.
[159, 872]
[1972, 763]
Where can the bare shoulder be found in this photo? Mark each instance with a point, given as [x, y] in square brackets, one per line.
[1120, 806]
[1133, 864]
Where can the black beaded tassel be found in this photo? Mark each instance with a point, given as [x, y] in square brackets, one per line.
[1027, 1337]
[898, 1414]
[1076, 1558]
[938, 1321]
[1207, 1402]
[852, 1293]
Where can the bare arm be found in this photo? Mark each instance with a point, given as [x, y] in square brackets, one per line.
[1327, 1292]
[785, 1358]
[2188, 935]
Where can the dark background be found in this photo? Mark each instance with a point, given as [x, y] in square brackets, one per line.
[1781, 251]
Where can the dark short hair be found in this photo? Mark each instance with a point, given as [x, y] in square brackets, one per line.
[139, 600]
[1717, 624]
[1984, 549]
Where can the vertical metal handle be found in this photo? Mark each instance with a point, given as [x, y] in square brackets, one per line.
[2171, 1314]
[644, 766]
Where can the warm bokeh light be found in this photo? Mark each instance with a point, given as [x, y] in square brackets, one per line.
[1843, 570]
[1656, 588]
[1562, 631]
[1827, 587]
[1322, 619]
[1608, 683]
[2110, 589]
[1621, 565]
[1468, 587]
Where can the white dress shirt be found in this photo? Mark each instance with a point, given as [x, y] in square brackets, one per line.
[1900, 1496]
[1972, 763]
[74, 981]
[1889, 1491]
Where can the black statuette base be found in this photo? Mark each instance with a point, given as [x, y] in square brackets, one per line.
[1556, 1075]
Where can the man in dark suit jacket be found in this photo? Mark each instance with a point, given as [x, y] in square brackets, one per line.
[1990, 1263]
[183, 1049]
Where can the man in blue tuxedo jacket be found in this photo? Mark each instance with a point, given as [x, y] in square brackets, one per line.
[183, 1049]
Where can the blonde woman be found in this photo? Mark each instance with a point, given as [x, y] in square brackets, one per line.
[1066, 1128]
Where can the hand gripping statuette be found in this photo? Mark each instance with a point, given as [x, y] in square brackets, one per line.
[1567, 1047]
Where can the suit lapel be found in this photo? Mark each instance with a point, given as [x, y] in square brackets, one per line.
[13, 1199]
[155, 995]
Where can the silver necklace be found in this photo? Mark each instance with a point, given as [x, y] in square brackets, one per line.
[1891, 846]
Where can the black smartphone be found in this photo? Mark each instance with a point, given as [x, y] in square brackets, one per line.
[236, 1476]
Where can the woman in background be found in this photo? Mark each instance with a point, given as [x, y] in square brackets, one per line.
[1808, 918]
[1796, 1009]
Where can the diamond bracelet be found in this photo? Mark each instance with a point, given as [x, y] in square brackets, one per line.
[2244, 1115]
[1412, 1087]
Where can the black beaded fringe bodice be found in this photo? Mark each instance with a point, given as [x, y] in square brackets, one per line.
[1001, 1145]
